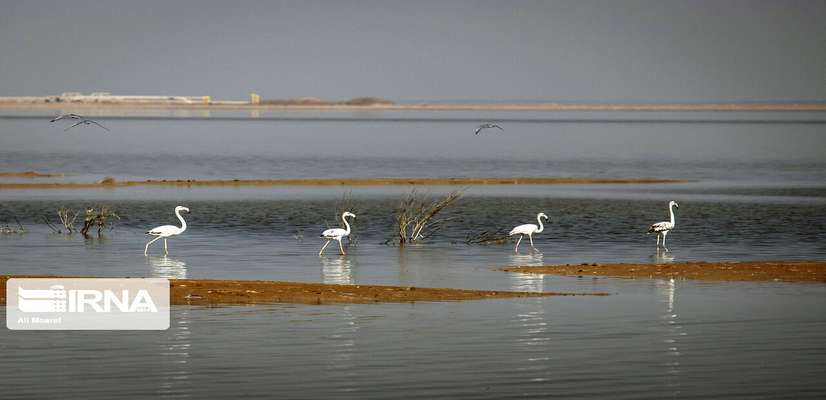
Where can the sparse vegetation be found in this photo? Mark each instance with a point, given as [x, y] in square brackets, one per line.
[10, 230]
[101, 217]
[416, 216]
[67, 218]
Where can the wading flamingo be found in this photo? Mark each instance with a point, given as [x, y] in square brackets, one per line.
[165, 231]
[337, 233]
[528, 229]
[662, 228]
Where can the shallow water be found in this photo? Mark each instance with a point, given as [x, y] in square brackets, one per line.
[753, 197]
[651, 339]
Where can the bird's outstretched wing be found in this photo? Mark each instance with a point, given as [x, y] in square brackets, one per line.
[497, 126]
[74, 125]
[477, 130]
[64, 116]
[96, 123]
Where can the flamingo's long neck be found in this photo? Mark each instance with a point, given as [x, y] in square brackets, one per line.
[671, 210]
[541, 227]
[183, 222]
[344, 218]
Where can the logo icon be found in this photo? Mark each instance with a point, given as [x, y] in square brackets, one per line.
[42, 301]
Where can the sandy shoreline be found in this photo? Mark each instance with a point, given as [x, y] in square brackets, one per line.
[28, 174]
[215, 292]
[787, 271]
[549, 106]
[335, 182]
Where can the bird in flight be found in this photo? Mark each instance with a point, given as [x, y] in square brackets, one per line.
[86, 122]
[487, 126]
[66, 116]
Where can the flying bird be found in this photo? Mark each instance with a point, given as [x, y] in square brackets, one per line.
[528, 229]
[487, 126]
[67, 116]
[86, 122]
[165, 231]
[337, 233]
[662, 228]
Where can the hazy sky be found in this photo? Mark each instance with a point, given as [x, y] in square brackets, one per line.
[425, 50]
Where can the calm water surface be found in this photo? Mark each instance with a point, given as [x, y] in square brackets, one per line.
[757, 193]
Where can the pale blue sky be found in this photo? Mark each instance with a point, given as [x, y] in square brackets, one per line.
[427, 50]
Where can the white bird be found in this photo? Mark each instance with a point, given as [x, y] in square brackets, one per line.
[662, 228]
[86, 122]
[487, 126]
[165, 231]
[337, 233]
[67, 116]
[528, 229]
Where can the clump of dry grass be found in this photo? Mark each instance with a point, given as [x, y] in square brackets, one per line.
[415, 217]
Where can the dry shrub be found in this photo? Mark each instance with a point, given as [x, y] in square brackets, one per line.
[415, 217]
[67, 218]
[100, 217]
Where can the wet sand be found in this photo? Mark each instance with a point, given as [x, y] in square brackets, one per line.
[216, 292]
[787, 271]
[112, 183]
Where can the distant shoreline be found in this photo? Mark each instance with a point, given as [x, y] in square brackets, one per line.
[323, 106]
[112, 183]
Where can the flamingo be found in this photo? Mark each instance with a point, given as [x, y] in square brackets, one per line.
[662, 228]
[528, 229]
[487, 126]
[337, 233]
[165, 231]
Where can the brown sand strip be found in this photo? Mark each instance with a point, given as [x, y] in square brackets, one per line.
[111, 183]
[27, 174]
[209, 292]
[789, 271]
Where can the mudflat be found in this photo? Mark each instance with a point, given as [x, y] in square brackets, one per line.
[217, 292]
[787, 271]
